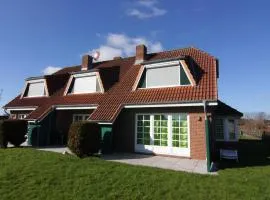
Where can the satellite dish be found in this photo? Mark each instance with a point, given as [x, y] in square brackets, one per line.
[96, 55]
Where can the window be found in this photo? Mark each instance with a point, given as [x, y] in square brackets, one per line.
[225, 129]
[84, 83]
[13, 116]
[143, 129]
[164, 130]
[219, 129]
[22, 116]
[80, 117]
[179, 131]
[35, 89]
[164, 75]
[231, 129]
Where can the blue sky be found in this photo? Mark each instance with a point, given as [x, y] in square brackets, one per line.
[35, 35]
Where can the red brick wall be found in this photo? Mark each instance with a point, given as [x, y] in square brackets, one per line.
[124, 129]
[197, 136]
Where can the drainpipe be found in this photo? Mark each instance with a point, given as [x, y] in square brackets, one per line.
[207, 137]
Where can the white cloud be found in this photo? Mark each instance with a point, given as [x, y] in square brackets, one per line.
[106, 52]
[147, 9]
[123, 45]
[50, 70]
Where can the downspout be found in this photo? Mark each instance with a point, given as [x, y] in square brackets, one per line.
[207, 137]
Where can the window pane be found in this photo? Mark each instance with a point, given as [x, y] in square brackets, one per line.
[219, 129]
[36, 89]
[84, 85]
[146, 117]
[183, 130]
[231, 129]
[183, 77]
[142, 83]
[183, 144]
[139, 141]
[159, 76]
[140, 123]
[140, 117]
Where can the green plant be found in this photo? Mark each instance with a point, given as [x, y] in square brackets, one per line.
[15, 131]
[3, 141]
[84, 138]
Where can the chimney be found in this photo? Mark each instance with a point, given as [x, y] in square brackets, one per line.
[117, 58]
[87, 62]
[141, 52]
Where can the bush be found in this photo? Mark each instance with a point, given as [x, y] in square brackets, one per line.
[15, 131]
[84, 138]
[3, 140]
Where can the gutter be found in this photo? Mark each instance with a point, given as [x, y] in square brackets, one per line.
[207, 137]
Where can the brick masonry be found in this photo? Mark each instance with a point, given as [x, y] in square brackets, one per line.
[124, 129]
[197, 136]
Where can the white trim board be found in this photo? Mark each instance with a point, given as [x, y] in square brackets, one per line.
[20, 108]
[105, 123]
[74, 107]
[169, 105]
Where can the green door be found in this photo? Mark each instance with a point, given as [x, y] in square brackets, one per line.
[33, 134]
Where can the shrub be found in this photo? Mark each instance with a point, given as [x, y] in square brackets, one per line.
[3, 140]
[84, 138]
[15, 131]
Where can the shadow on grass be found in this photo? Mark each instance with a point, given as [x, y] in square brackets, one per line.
[251, 153]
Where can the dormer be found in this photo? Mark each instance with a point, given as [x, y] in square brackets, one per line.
[35, 87]
[84, 83]
[165, 73]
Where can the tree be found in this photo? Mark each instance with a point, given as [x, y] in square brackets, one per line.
[1, 92]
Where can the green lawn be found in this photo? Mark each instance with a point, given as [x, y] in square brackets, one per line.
[31, 174]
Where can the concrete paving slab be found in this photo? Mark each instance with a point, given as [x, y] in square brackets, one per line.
[171, 163]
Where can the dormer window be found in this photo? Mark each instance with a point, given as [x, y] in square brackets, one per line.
[85, 83]
[165, 74]
[35, 88]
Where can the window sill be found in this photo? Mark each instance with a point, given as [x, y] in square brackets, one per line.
[235, 140]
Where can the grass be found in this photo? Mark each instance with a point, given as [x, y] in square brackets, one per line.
[31, 174]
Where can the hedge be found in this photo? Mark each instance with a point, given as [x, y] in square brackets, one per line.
[3, 140]
[13, 131]
[84, 138]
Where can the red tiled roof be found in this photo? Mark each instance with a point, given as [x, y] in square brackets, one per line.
[119, 90]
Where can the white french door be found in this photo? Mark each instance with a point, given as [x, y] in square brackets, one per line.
[163, 134]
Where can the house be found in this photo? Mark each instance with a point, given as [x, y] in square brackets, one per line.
[163, 103]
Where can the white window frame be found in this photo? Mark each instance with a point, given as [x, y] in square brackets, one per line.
[27, 83]
[226, 137]
[164, 65]
[73, 76]
[169, 150]
[22, 116]
[80, 115]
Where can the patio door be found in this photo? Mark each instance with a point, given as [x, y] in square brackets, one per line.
[163, 134]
